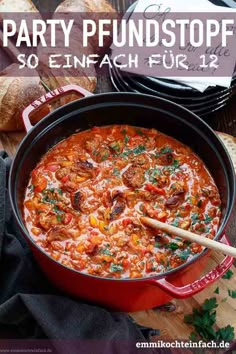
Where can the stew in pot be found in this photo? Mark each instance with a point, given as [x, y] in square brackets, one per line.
[84, 199]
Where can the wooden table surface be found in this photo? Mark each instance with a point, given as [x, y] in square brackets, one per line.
[171, 324]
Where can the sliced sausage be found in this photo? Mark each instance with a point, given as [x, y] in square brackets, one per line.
[165, 159]
[91, 145]
[58, 234]
[86, 169]
[141, 160]
[173, 202]
[210, 192]
[117, 209]
[62, 172]
[178, 189]
[134, 177]
[77, 200]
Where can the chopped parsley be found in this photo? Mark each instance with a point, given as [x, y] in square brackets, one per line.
[116, 172]
[232, 293]
[172, 246]
[199, 204]
[115, 146]
[105, 156]
[208, 219]
[48, 200]
[175, 222]
[138, 150]
[106, 251]
[59, 218]
[139, 132]
[193, 337]
[228, 275]
[60, 191]
[152, 173]
[31, 187]
[217, 290]
[195, 218]
[188, 243]
[157, 244]
[154, 267]
[96, 153]
[176, 164]
[127, 139]
[203, 320]
[202, 229]
[116, 268]
[52, 190]
[226, 334]
[185, 254]
[163, 151]
[57, 210]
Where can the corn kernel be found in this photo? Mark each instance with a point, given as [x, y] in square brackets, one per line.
[185, 224]
[80, 179]
[55, 255]
[135, 239]
[150, 248]
[112, 230]
[80, 248]
[134, 274]
[107, 259]
[36, 231]
[93, 221]
[103, 227]
[66, 163]
[96, 240]
[194, 200]
[162, 215]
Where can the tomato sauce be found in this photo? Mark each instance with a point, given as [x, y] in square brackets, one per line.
[86, 195]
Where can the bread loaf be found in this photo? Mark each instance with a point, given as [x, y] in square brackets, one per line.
[52, 82]
[230, 143]
[25, 6]
[91, 8]
[16, 93]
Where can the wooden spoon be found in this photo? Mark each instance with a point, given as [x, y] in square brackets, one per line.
[190, 236]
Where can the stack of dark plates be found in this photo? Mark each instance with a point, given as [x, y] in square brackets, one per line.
[203, 104]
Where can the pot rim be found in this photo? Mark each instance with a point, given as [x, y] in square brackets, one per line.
[220, 232]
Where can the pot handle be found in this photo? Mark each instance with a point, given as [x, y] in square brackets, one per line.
[48, 97]
[198, 285]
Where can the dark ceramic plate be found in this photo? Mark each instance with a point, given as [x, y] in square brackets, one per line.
[212, 99]
[204, 111]
[135, 84]
[178, 92]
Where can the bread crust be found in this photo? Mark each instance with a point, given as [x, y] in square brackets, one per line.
[16, 93]
[25, 6]
[93, 8]
[230, 143]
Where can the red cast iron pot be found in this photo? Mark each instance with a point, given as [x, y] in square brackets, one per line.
[138, 110]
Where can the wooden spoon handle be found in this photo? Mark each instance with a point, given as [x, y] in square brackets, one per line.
[190, 236]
